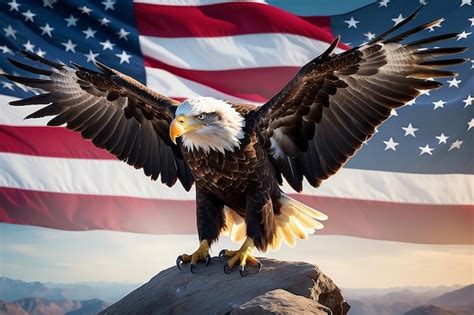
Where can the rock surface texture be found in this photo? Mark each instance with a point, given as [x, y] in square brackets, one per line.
[281, 287]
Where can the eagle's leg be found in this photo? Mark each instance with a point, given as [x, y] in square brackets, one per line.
[258, 219]
[210, 221]
[241, 256]
[201, 254]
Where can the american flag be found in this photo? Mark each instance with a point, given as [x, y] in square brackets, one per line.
[413, 181]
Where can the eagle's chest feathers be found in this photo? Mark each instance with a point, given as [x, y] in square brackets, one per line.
[224, 172]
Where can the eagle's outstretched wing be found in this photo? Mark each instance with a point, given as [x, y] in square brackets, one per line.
[113, 110]
[335, 102]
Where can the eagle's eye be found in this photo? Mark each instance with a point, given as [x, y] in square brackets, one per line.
[201, 116]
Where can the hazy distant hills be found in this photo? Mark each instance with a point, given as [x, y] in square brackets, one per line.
[40, 306]
[12, 290]
[19, 298]
[462, 299]
[432, 301]
[436, 310]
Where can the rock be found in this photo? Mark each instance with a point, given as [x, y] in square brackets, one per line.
[280, 302]
[210, 291]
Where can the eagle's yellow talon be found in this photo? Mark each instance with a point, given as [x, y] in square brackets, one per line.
[201, 254]
[243, 255]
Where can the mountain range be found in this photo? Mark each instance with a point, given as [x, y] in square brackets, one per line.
[431, 301]
[19, 297]
[40, 306]
[11, 290]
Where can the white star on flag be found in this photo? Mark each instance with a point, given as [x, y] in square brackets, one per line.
[442, 138]
[6, 50]
[29, 16]
[14, 5]
[40, 52]
[462, 35]
[8, 85]
[10, 31]
[383, 3]
[107, 45]
[398, 19]
[390, 145]
[89, 32]
[109, 4]
[85, 10]
[351, 22]
[426, 149]
[91, 56]
[470, 124]
[468, 101]
[69, 46]
[439, 104]
[454, 82]
[71, 20]
[465, 2]
[104, 21]
[124, 57]
[49, 3]
[456, 145]
[29, 46]
[410, 130]
[123, 34]
[47, 30]
[369, 35]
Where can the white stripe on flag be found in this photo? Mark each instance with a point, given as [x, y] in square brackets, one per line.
[15, 115]
[82, 176]
[233, 52]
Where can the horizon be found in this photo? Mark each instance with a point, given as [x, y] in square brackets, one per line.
[385, 289]
[46, 255]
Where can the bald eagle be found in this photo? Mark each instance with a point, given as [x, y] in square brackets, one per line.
[238, 155]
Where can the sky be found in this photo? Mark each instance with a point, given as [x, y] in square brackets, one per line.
[40, 254]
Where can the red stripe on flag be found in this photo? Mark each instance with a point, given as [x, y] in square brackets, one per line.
[253, 84]
[49, 142]
[226, 19]
[430, 224]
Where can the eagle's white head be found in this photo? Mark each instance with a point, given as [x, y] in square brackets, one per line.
[207, 124]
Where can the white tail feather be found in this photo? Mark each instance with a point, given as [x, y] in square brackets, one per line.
[295, 221]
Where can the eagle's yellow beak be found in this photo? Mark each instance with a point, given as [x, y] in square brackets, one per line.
[182, 124]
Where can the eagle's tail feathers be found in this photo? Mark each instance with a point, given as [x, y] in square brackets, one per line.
[295, 221]
[234, 225]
